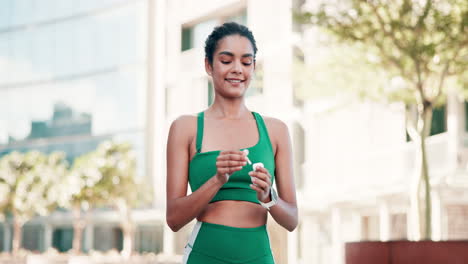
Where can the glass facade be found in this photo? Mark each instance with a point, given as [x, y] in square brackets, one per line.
[73, 74]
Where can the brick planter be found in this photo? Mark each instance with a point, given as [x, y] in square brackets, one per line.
[407, 252]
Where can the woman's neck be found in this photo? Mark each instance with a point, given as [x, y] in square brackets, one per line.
[232, 109]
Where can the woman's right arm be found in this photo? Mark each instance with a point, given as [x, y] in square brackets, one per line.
[180, 207]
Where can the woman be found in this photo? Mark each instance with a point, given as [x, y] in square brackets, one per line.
[215, 152]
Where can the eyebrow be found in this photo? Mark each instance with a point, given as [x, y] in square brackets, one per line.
[232, 54]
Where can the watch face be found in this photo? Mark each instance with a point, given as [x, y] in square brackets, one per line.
[274, 195]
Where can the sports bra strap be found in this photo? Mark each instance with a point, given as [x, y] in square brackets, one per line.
[263, 131]
[261, 125]
[200, 131]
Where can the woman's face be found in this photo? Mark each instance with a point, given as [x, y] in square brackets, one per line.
[233, 66]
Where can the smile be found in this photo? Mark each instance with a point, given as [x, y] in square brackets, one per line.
[234, 80]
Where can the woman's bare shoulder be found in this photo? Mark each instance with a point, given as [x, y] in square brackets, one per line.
[277, 130]
[185, 120]
[274, 124]
[184, 126]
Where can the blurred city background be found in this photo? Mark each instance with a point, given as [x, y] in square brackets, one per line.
[89, 88]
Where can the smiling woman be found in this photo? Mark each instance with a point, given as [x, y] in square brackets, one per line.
[232, 68]
[232, 194]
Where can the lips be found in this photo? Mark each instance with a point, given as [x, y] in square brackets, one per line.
[235, 80]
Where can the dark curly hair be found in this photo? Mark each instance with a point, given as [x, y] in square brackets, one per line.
[227, 29]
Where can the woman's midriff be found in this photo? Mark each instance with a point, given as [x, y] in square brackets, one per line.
[234, 213]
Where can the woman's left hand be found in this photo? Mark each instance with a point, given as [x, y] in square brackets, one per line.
[261, 182]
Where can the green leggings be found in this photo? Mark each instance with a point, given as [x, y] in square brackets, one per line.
[219, 244]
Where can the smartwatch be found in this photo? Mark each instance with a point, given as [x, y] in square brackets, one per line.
[274, 199]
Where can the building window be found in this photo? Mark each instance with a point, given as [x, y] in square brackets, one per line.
[194, 36]
[62, 239]
[32, 235]
[187, 38]
[439, 119]
[108, 238]
[148, 238]
[438, 124]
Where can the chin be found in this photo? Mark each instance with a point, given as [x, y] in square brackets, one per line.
[237, 93]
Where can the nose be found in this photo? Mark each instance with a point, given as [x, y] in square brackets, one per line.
[237, 67]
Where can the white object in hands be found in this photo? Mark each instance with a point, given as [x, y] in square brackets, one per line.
[256, 165]
[246, 151]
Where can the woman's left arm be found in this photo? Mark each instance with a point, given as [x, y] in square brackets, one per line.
[285, 211]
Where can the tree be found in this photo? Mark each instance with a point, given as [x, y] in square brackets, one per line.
[424, 43]
[30, 184]
[103, 177]
[117, 164]
[83, 177]
[316, 79]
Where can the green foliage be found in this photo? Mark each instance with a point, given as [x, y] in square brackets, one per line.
[35, 183]
[106, 175]
[31, 183]
[421, 41]
[338, 69]
[83, 177]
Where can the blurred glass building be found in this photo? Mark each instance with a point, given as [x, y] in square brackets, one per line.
[73, 74]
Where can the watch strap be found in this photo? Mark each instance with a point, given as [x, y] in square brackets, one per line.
[274, 199]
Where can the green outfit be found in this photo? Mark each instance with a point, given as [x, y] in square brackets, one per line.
[203, 166]
[219, 244]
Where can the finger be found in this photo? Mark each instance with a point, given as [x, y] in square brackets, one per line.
[231, 151]
[262, 184]
[261, 176]
[232, 156]
[230, 163]
[262, 169]
[234, 169]
[256, 188]
[234, 152]
[229, 170]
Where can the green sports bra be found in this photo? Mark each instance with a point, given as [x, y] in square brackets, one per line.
[203, 165]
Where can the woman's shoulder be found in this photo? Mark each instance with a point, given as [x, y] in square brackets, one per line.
[274, 123]
[277, 131]
[185, 119]
[184, 124]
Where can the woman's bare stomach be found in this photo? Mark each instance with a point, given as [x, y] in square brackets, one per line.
[234, 213]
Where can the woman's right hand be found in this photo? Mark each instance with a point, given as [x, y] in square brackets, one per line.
[229, 162]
